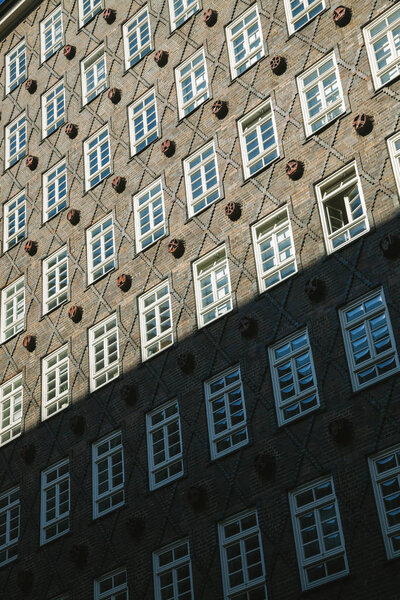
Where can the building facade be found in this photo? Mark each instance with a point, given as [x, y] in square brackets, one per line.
[200, 300]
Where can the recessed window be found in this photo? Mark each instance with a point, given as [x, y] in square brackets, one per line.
[9, 526]
[53, 109]
[242, 560]
[274, 249]
[301, 12]
[55, 382]
[137, 38]
[103, 352]
[181, 10]
[101, 249]
[15, 67]
[245, 41]
[112, 586]
[173, 572]
[212, 286]
[94, 75]
[15, 141]
[143, 122]
[385, 475]
[164, 444]
[192, 83]
[54, 513]
[202, 179]
[14, 221]
[293, 377]
[226, 412]
[108, 474]
[88, 9]
[342, 208]
[382, 39]
[368, 338]
[258, 139]
[12, 309]
[54, 190]
[155, 320]
[321, 94]
[394, 151]
[11, 409]
[321, 553]
[97, 158]
[55, 280]
[51, 33]
[149, 212]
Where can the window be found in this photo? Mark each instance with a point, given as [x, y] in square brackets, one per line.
[368, 339]
[226, 412]
[385, 475]
[88, 9]
[181, 10]
[54, 513]
[143, 126]
[137, 38]
[55, 280]
[149, 215]
[245, 43]
[16, 140]
[243, 571]
[103, 352]
[11, 409]
[192, 83]
[212, 287]
[155, 320]
[321, 94]
[258, 139]
[54, 190]
[108, 474]
[293, 377]
[202, 180]
[164, 443]
[94, 75]
[97, 158]
[274, 249]
[300, 12]
[173, 572]
[112, 586]
[53, 109]
[394, 151]
[12, 309]
[51, 34]
[318, 533]
[55, 382]
[100, 247]
[15, 67]
[14, 221]
[382, 39]
[9, 526]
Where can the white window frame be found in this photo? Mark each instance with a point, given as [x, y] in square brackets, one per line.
[95, 6]
[380, 479]
[324, 556]
[55, 382]
[55, 266]
[93, 147]
[16, 292]
[226, 396]
[116, 583]
[199, 92]
[384, 30]
[199, 164]
[189, 8]
[90, 67]
[217, 258]
[55, 490]
[375, 359]
[16, 130]
[55, 190]
[153, 307]
[10, 60]
[149, 214]
[251, 56]
[136, 31]
[14, 210]
[300, 395]
[304, 14]
[53, 100]
[239, 539]
[175, 566]
[115, 491]
[100, 244]
[139, 110]
[394, 153]
[10, 518]
[328, 112]
[12, 393]
[253, 122]
[111, 368]
[275, 228]
[51, 26]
